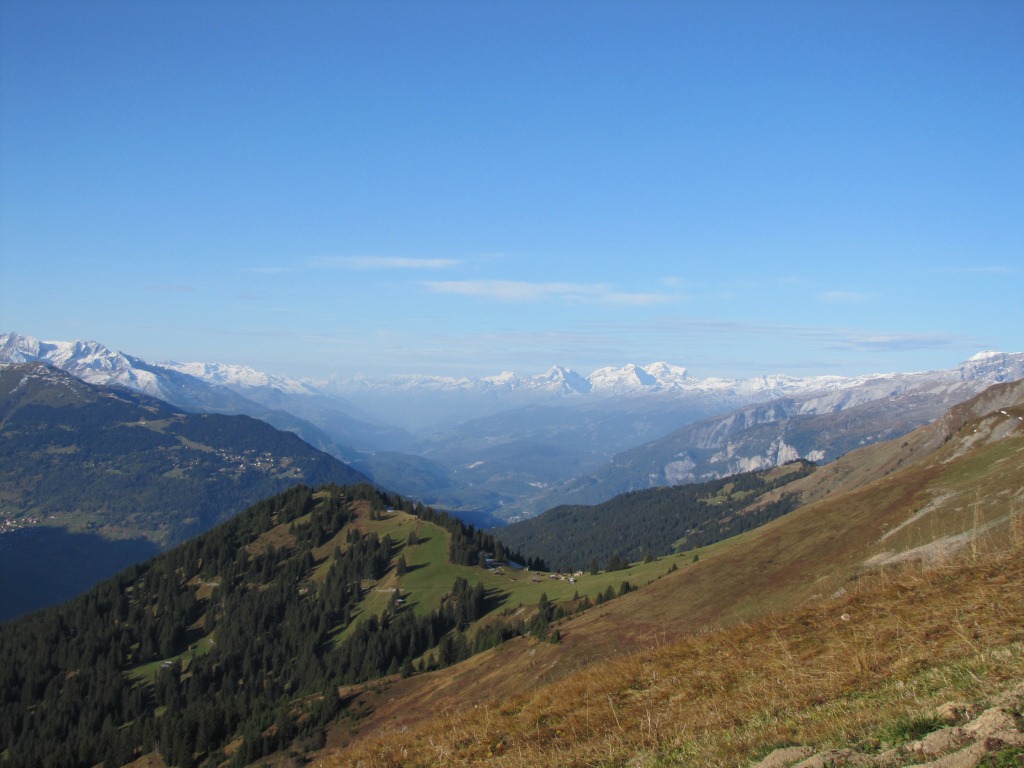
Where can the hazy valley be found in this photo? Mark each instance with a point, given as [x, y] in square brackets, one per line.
[509, 447]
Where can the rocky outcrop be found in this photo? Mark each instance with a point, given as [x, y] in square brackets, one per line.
[971, 736]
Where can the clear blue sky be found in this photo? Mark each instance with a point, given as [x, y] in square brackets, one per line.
[461, 188]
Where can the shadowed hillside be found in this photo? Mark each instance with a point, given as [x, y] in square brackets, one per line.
[122, 475]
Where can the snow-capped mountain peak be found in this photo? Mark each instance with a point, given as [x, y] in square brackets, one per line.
[631, 379]
[88, 360]
[993, 366]
[984, 355]
[666, 371]
[504, 380]
[562, 380]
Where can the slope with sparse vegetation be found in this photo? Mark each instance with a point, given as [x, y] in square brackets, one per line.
[842, 625]
[865, 670]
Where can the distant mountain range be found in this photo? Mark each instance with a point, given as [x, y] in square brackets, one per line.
[510, 446]
[818, 426]
[211, 389]
[91, 361]
[629, 379]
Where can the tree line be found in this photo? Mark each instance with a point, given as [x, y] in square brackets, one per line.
[654, 521]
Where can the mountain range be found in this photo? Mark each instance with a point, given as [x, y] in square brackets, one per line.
[507, 447]
[818, 427]
[351, 626]
[258, 396]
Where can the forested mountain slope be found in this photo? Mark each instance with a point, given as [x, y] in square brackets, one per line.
[656, 521]
[97, 478]
[234, 644]
[246, 627]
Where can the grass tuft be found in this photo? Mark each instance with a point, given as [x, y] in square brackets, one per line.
[910, 728]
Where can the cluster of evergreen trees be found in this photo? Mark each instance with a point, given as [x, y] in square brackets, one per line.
[244, 641]
[646, 523]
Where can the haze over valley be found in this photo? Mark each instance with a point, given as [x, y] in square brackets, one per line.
[516, 445]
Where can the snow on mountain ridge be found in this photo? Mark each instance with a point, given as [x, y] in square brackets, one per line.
[628, 379]
[984, 355]
[96, 363]
[993, 366]
[88, 360]
[631, 379]
[239, 376]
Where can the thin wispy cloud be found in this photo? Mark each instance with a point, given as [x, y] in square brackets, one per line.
[824, 337]
[981, 270]
[843, 297]
[818, 344]
[699, 343]
[171, 288]
[520, 291]
[891, 342]
[380, 262]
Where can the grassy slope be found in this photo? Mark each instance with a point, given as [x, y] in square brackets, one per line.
[430, 575]
[961, 474]
[856, 670]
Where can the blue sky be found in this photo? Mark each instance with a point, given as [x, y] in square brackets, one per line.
[461, 188]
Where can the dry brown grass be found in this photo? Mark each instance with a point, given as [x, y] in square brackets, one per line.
[636, 683]
[834, 673]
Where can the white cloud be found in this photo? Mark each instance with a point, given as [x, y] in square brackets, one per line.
[513, 290]
[380, 262]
